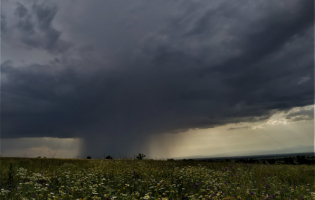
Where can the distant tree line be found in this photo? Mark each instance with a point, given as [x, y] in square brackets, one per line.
[139, 157]
[299, 160]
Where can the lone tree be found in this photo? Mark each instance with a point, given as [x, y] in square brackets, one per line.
[140, 156]
[89, 157]
[109, 157]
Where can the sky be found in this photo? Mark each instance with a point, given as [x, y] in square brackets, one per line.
[169, 79]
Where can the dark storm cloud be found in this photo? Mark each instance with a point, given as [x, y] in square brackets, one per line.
[25, 24]
[214, 69]
[255, 78]
[3, 24]
[202, 25]
[45, 14]
[20, 11]
[35, 28]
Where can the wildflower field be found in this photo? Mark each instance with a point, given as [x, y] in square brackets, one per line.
[31, 178]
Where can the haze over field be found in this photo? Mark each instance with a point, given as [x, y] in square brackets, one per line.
[164, 78]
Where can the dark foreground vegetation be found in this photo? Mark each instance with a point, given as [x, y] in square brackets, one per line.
[44, 178]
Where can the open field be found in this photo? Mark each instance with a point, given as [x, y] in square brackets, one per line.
[33, 178]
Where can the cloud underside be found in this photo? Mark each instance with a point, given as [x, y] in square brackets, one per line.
[199, 69]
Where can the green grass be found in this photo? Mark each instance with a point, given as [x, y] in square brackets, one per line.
[32, 178]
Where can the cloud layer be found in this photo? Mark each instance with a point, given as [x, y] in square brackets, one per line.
[115, 78]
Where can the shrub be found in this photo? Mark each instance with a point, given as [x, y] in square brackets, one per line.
[140, 156]
[89, 157]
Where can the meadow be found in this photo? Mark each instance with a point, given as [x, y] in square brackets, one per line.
[43, 178]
